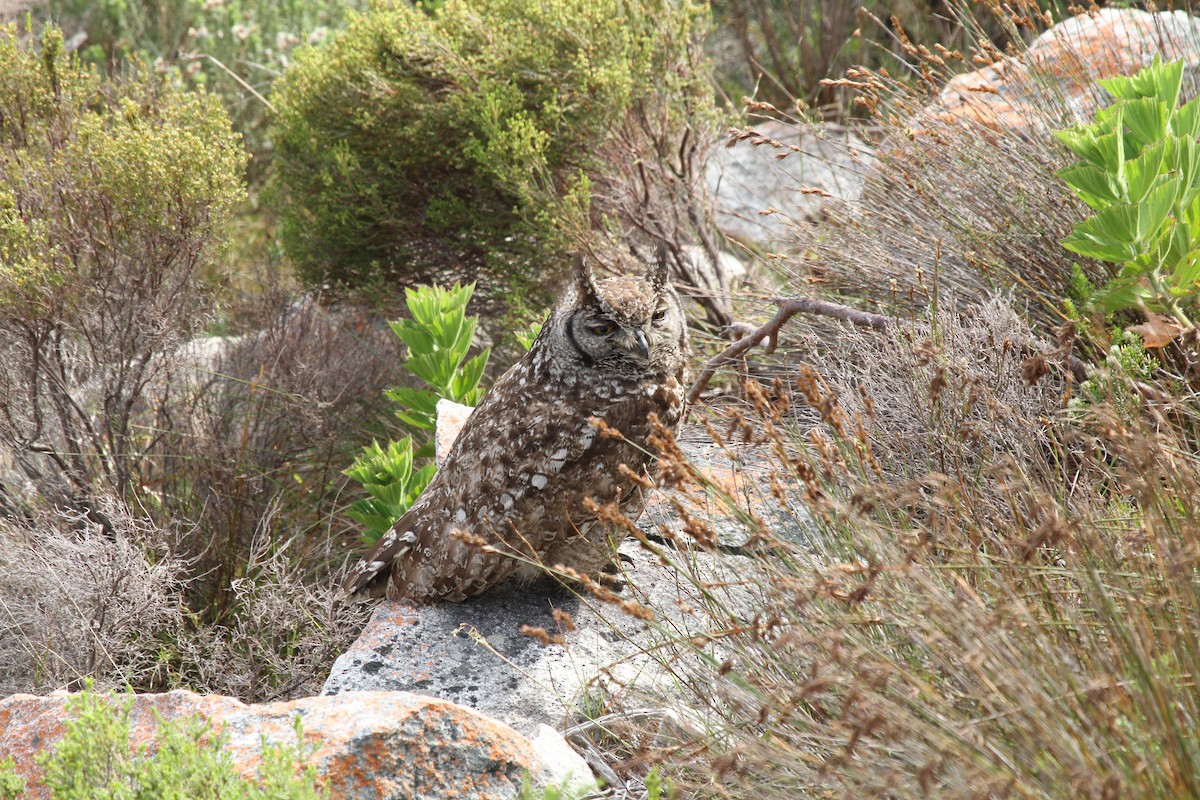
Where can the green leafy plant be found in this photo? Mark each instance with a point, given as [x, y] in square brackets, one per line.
[486, 123]
[94, 760]
[1140, 172]
[438, 333]
[12, 785]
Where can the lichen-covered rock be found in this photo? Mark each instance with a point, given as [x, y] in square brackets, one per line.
[369, 745]
[1060, 69]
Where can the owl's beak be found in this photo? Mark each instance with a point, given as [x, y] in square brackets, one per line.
[643, 347]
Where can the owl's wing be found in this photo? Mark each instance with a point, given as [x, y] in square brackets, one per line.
[369, 577]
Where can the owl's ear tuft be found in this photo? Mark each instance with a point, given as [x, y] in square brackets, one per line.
[659, 273]
[585, 279]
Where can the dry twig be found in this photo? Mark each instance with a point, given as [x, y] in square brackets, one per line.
[788, 308]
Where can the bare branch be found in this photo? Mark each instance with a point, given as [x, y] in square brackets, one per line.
[788, 308]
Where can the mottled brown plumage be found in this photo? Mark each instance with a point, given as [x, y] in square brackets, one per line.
[529, 456]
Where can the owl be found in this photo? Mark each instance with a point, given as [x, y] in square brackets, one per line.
[530, 455]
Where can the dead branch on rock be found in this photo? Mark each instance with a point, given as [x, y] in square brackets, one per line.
[791, 306]
[788, 308]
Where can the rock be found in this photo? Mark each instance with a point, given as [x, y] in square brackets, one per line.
[728, 272]
[451, 416]
[760, 194]
[1060, 68]
[369, 745]
[475, 654]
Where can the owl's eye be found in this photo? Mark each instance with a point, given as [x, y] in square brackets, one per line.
[659, 315]
[601, 328]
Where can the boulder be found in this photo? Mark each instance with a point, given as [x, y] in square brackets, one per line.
[369, 745]
[764, 182]
[1060, 68]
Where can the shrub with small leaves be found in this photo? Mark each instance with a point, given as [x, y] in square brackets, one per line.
[94, 760]
[472, 136]
[114, 196]
[12, 785]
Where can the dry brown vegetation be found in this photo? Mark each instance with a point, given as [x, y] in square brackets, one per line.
[1002, 598]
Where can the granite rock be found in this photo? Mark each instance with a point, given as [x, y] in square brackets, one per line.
[368, 745]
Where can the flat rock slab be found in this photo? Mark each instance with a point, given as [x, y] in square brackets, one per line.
[474, 653]
[369, 745]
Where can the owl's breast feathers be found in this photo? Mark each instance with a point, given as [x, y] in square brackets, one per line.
[517, 478]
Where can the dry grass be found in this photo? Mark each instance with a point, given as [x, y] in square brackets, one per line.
[1021, 628]
[1003, 595]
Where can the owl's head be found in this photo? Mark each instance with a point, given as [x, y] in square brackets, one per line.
[629, 326]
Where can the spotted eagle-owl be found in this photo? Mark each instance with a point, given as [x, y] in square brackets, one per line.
[529, 456]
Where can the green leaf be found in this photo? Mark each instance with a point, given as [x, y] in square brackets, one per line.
[1174, 246]
[436, 368]
[1154, 210]
[1186, 275]
[1109, 235]
[1121, 295]
[1092, 185]
[1098, 147]
[1186, 120]
[1144, 172]
[1159, 80]
[1146, 118]
[466, 382]
[417, 339]
[1183, 159]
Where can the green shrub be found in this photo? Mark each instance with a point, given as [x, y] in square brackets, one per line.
[94, 761]
[420, 142]
[12, 785]
[1140, 173]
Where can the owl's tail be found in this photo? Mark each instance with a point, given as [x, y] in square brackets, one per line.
[369, 577]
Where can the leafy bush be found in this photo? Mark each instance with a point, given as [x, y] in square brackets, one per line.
[1140, 173]
[233, 48]
[439, 335]
[93, 760]
[112, 200]
[484, 139]
[12, 785]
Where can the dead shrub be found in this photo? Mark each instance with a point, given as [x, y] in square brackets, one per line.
[79, 600]
[280, 412]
